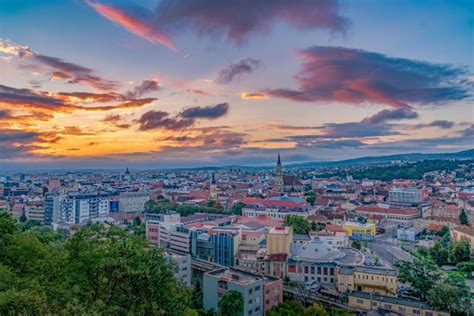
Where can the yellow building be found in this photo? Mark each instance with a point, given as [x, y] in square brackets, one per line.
[279, 240]
[380, 281]
[387, 304]
[465, 233]
[357, 230]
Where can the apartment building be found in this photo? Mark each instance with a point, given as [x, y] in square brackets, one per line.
[376, 280]
[133, 202]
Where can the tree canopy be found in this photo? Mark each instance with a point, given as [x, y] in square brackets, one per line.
[299, 223]
[94, 271]
[231, 304]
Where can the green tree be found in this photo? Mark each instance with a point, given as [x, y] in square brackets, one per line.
[299, 223]
[237, 208]
[315, 310]
[459, 251]
[463, 218]
[444, 231]
[356, 244]
[231, 304]
[422, 273]
[450, 294]
[340, 312]
[287, 308]
[311, 199]
[439, 254]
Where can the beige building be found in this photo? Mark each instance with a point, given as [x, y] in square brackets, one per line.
[279, 240]
[380, 281]
[463, 233]
[388, 304]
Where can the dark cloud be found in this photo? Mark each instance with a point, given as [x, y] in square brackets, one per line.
[161, 120]
[13, 135]
[215, 139]
[235, 20]
[28, 98]
[233, 71]
[16, 143]
[390, 115]
[468, 132]
[352, 76]
[444, 124]
[147, 86]
[206, 112]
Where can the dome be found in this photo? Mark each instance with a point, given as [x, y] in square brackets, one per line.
[316, 250]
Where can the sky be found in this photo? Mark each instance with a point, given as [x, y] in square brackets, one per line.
[189, 83]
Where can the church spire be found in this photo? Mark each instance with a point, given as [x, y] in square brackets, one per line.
[279, 161]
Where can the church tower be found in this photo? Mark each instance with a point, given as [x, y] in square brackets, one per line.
[213, 188]
[279, 176]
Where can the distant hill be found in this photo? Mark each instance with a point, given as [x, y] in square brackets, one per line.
[466, 154]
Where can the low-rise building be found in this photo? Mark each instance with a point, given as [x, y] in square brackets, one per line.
[381, 281]
[387, 304]
[361, 231]
[182, 266]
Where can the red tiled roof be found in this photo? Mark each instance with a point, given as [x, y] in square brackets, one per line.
[376, 209]
[251, 200]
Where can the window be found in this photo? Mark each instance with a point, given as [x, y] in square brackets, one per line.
[312, 270]
[401, 309]
[359, 301]
[416, 311]
[387, 306]
[428, 314]
[306, 269]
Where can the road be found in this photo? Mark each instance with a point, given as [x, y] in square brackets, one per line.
[383, 247]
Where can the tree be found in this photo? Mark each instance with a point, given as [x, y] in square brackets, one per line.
[340, 312]
[311, 199]
[315, 310]
[237, 208]
[422, 273]
[450, 294]
[463, 218]
[444, 231]
[439, 254]
[459, 251]
[356, 244]
[287, 308]
[94, 271]
[231, 304]
[299, 223]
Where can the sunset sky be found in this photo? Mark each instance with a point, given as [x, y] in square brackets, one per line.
[186, 83]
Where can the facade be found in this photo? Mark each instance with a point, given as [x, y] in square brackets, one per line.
[182, 267]
[276, 212]
[51, 209]
[403, 216]
[78, 208]
[219, 245]
[259, 292]
[279, 240]
[133, 202]
[35, 213]
[387, 304]
[359, 231]
[405, 197]
[380, 281]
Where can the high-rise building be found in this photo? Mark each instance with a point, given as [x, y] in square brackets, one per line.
[51, 209]
[133, 202]
[78, 208]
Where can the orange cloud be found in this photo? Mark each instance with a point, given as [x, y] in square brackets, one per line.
[253, 96]
[133, 24]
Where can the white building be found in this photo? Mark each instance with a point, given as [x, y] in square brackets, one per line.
[182, 267]
[400, 196]
[276, 212]
[133, 202]
[78, 208]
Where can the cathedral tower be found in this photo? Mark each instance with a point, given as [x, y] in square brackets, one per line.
[279, 176]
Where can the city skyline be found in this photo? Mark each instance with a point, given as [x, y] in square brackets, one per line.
[198, 83]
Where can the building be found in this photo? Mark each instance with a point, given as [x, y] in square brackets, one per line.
[259, 292]
[219, 245]
[380, 281]
[463, 233]
[402, 216]
[51, 209]
[388, 304]
[405, 197]
[35, 213]
[182, 266]
[79, 208]
[361, 231]
[133, 202]
[279, 240]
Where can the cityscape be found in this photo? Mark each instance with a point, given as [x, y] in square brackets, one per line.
[236, 158]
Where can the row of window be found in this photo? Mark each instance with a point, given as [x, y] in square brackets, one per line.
[324, 270]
